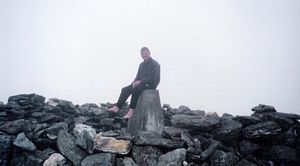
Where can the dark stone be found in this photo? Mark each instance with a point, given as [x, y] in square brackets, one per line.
[247, 120]
[198, 123]
[244, 162]
[90, 109]
[209, 151]
[262, 130]
[128, 161]
[107, 159]
[33, 161]
[229, 131]
[221, 158]
[148, 114]
[246, 147]
[282, 122]
[49, 118]
[66, 106]
[187, 111]
[66, 145]
[13, 114]
[171, 131]
[15, 127]
[261, 108]
[5, 149]
[283, 155]
[146, 155]
[24, 143]
[175, 157]
[154, 139]
[288, 115]
[28, 99]
[188, 139]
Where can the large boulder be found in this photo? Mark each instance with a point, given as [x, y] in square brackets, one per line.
[198, 123]
[66, 145]
[148, 114]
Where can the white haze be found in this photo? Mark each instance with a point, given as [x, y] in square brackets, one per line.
[217, 56]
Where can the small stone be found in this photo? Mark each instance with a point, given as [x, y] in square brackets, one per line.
[56, 159]
[112, 145]
[23, 142]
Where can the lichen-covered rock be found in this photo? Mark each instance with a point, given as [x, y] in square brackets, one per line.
[173, 158]
[56, 159]
[85, 136]
[112, 145]
[24, 143]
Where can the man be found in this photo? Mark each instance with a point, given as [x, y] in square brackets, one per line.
[148, 77]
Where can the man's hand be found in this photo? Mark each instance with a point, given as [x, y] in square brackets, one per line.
[136, 83]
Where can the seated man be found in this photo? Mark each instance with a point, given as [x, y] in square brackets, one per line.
[148, 77]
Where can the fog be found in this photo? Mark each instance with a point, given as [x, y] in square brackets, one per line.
[217, 56]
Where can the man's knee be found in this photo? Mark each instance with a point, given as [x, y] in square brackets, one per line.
[126, 89]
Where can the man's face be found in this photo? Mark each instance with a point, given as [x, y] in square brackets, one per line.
[145, 54]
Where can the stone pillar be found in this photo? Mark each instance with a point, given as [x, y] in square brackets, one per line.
[148, 114]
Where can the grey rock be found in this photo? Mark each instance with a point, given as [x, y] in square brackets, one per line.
[261, 108]
[106, 159]
[146, 155]
[5, 146]
[187, 111]
[28, 99]
[244, 162]
[171, 131]
[282, 122]
[15, 127]
[66, 106]
[90, 109]
[199, 123]
[262, 130]
[283, 154]
[55, 128]
[32, 160]
[173, 158]
[247, 120]
[154, 139]
[56, 159]
[148, 114]
[221, 158]
[85, 136]
[66, 145]
[209, 151]
[128, 161]
[24, 143]
[246, 147]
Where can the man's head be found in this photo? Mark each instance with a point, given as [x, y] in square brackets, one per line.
[145, 53]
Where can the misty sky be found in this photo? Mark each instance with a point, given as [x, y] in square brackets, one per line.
[217, 56]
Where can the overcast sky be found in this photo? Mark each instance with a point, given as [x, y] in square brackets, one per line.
[217, 56]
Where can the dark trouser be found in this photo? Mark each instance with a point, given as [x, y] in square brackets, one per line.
[134, 92]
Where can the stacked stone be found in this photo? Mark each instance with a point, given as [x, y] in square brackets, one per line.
[57, 132]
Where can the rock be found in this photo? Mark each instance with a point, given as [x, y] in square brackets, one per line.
[288, 115]
[85, 137]
[5, 149]
[112, 145]
[261, 108]
[261, 130]
[187, 111]
[128, 161]
[247, 120]
[148, 114]
[209, 151]
[14, 127]
[175, 157]
[13, 114]
[199, 123]
[154, 139]
[223, 158]
[28, 99]
[90, 109]
[146, 155]
[66, 145]
[229, 131]
[56, 159]
[31, 160]
[283, 123]
[171, 131]
[244, 162]
[24, 143]
[66, 106]
[55, 128]
[106, 159]
[283, 154]
[246, 147]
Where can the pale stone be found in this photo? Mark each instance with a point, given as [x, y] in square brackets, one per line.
[55, 159]
[112, 145]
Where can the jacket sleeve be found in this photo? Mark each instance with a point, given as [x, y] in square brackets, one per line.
[138, 75]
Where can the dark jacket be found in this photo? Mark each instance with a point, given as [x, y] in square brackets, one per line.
[149, 73]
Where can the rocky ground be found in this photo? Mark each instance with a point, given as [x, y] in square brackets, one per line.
[57, 132]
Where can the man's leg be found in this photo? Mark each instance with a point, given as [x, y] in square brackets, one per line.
[125, 93]
[136, 92]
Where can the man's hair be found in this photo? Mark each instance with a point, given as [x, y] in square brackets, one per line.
[145, 49]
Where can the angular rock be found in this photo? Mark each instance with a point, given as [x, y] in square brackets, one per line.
[56, 159]
[246, 147]
[171, 131]
[187, 111]
[283, 154]
[209, 151]
[5, 149]
[223, 158]
[282, 122]
[146, 155]
[175, 157]
[148, 114]
[247, 120]
[90, 109]
[85, 137]
[128, 161]
[261, 108]
[13, 114]
[154, 139]
[66, 106]
[66, 145]
[288, 115]
[24, 143]
[112, 145]
[14, 127]
[261, 130]
[229, 131]
[199, 123]
[106, 159]
[244, 162]
[32, 160]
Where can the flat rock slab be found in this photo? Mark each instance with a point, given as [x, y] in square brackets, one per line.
[262, 130]
[199, 123]
[112, 145]
[23, 142]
